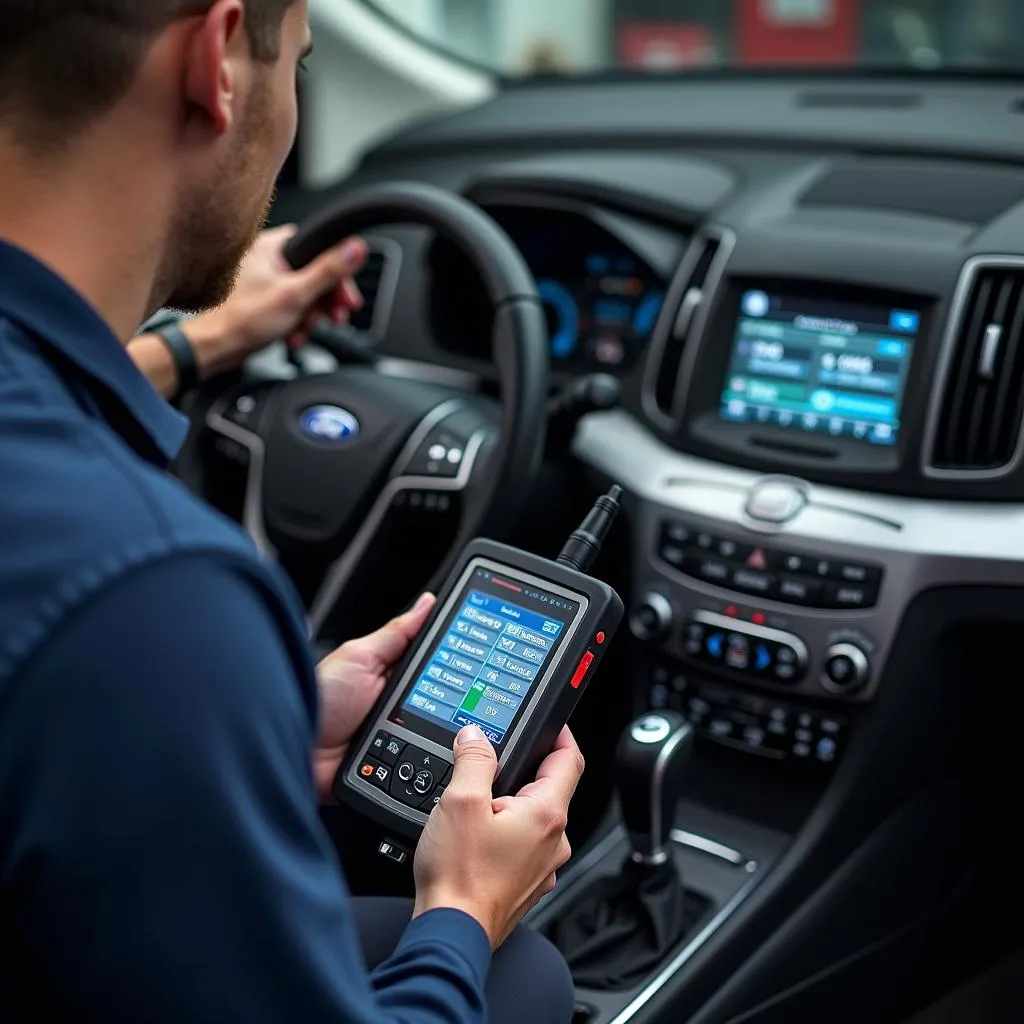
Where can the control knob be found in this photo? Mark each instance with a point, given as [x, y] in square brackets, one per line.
[652, 617]
[846, 669]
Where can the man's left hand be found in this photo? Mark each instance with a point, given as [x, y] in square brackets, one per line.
[351, 680]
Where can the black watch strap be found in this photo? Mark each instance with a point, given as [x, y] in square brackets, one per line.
[184, 355]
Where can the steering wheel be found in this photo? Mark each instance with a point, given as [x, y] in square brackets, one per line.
[382, 479]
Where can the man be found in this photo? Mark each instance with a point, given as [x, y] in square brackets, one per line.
[162, 741]
[269, 302]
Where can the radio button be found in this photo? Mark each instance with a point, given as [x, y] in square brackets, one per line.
[854, 573]
[652, 617]
[797, 590]
[676, 533]
[775, 502]
[673, 554]
[786, 561]
[849, 595]
[846, 669]
[751, 582]
[714, 571]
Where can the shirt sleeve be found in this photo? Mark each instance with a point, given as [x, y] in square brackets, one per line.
[168, 862]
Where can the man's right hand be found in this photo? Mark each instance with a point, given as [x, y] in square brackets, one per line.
[495, 858]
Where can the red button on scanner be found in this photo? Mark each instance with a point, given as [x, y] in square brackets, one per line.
[599, 638]
[581, 670]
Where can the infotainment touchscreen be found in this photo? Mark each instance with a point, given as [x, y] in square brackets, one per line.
[835, 368]
[488, 656]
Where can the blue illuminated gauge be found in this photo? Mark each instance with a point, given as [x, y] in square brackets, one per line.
[563, 318]
[646, 315]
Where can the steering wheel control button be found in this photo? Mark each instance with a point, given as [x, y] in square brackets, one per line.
[775, 501]
[847, 669]
[244, 410]
[406, 771]
[440, 455]
[808, 578]
[652, 617]
[746, 648]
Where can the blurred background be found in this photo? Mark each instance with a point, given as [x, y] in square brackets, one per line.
[522, 37]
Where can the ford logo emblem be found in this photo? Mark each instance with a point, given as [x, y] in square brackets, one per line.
[329, 423]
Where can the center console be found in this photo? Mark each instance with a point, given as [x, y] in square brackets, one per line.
[810, 456]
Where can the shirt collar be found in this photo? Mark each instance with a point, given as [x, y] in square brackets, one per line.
[43, 303]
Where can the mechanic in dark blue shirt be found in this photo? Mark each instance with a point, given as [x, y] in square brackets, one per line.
[164, 736]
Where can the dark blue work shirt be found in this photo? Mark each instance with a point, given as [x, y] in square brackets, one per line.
[161, 854]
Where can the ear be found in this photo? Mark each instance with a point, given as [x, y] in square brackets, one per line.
[214, 57]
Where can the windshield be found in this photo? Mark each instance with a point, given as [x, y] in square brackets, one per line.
[544, 37]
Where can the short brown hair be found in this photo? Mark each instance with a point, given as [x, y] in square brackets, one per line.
[66, 62]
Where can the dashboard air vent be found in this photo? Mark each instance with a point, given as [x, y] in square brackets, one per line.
[688, 299]
[377, 282]
[976, 425]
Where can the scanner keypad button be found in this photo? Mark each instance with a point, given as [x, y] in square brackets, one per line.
[385, 747]
[418, 775]
[434, 799]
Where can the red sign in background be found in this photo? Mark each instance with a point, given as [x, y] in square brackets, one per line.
[786, 32]
[662, 46]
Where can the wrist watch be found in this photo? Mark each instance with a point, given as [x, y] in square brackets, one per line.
[184, 355]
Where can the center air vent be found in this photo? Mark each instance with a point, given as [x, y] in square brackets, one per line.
[976, 426]
[377, 282]
[686, 305]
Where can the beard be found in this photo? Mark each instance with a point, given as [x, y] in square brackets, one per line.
[214, 229]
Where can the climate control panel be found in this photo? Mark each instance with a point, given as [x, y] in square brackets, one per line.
[745, 647]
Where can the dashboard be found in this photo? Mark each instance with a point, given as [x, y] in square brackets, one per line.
[601, 297]
[811, 289]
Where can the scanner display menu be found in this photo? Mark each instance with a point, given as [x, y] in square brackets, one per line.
[488, 657]
[833, 368]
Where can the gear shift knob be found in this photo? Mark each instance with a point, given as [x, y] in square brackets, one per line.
[649, 766]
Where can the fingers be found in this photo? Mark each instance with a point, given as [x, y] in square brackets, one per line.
[390, 642]
[328, 272]
[475, 766]
[560, 773]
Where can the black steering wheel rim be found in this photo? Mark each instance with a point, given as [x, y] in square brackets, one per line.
[313, 497]
[519, 336]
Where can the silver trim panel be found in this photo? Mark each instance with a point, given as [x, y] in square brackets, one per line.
[951, 340]
[688, 952]
[708, 846]
[252, 509]
[921, 543]
[776, 636]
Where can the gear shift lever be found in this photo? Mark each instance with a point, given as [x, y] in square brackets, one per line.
[624, 925]
[650, 762]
